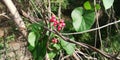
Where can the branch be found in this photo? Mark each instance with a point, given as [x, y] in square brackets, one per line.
[65, 57]
[82, 44]
[18, 20]
[85, 46]
[77, 43]
[3, 14]
[86, 55]
[94, 29]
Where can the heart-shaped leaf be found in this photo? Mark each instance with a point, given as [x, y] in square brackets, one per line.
[32, 38]
[107, 3]
[82, 19]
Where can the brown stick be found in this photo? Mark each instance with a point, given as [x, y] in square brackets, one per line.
[18, 20]
[77, 43]
[86, 46]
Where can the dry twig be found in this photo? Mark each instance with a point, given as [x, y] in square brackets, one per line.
[94, 29]
[4, 14]
[80, 43]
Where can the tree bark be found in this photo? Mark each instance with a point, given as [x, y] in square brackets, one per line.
[16, 16]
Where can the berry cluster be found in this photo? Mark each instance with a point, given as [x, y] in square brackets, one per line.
[59, 24]
[54, 40]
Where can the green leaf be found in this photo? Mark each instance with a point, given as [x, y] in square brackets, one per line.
[32, 38]
[98, 6]
[52, 55]
[40, 49]
[82, 19]
[35, 27]
[107, 3]
[68, 47]
[57, 46]
[30, 48]
[77, 17]
[87, 5]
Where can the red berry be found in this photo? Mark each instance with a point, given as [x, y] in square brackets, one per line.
[63, 24]
[53, 18]
[59, 28]
[55, 23]
[54, 40]
[61, 21]
[60, 25]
